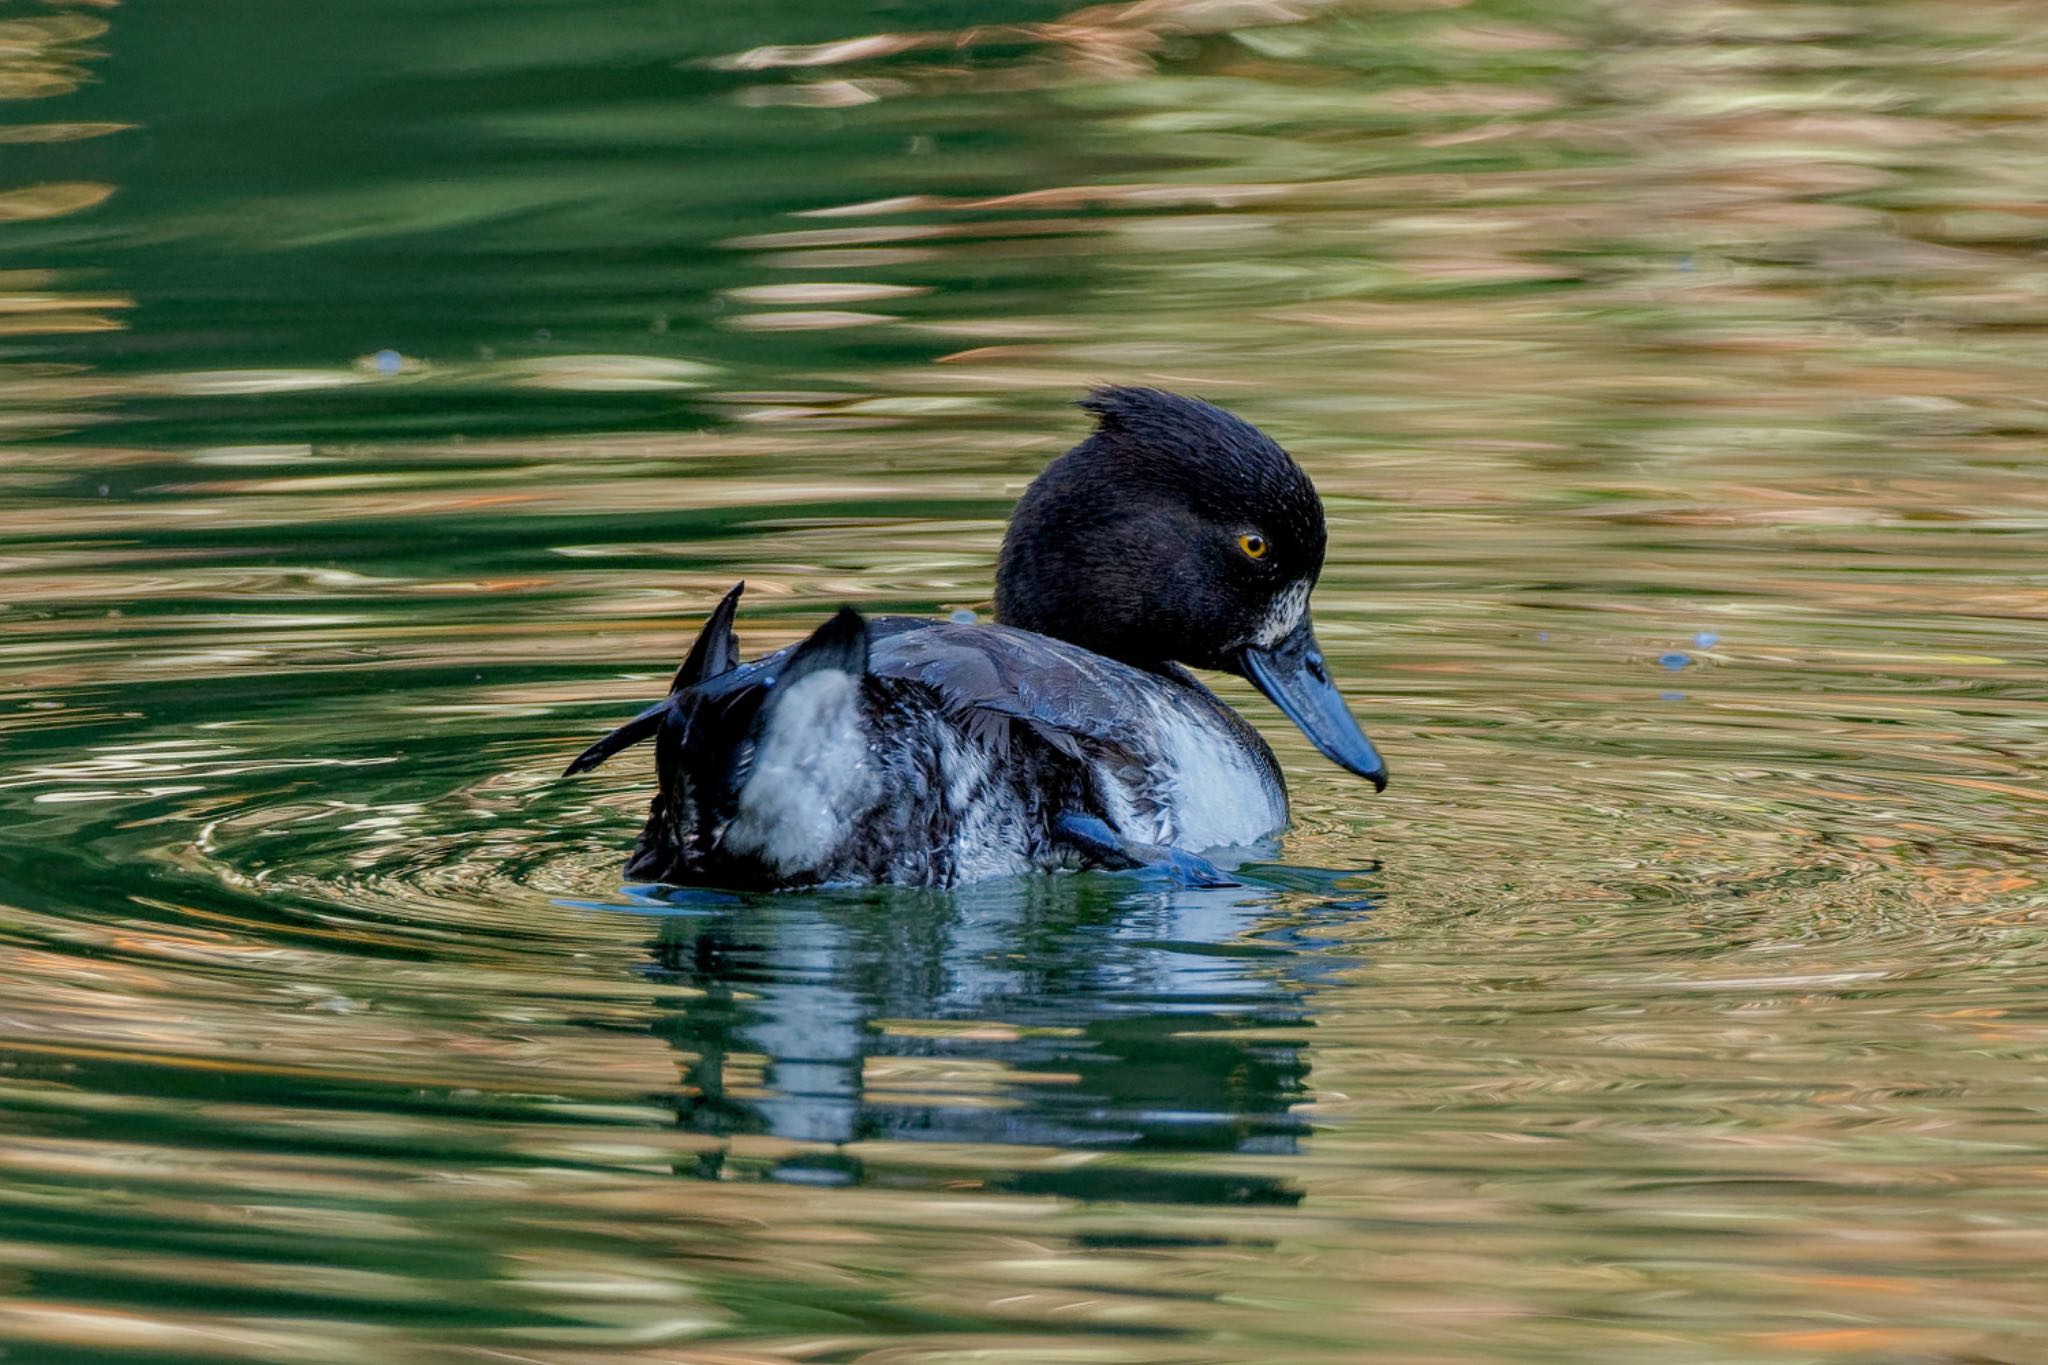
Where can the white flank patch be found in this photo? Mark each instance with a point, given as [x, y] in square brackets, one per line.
[1283, 616]
[811, 776]
[986, 838]
[965, 768]
[1122, 813]
[1220, 792]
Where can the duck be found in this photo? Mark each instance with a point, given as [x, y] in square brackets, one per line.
[1069, 734]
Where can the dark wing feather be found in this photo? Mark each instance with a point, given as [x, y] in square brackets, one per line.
[717, 649]
[988, 678]
[1066, 694]
[716, 653]
[626, 736]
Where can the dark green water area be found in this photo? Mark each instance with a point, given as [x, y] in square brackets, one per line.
[387, 388]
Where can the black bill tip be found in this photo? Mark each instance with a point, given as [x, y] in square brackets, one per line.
[1292, 675]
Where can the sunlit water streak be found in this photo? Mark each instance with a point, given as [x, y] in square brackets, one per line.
[382, 421]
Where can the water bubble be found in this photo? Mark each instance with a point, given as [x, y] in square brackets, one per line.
[387, 361]
[961, 617]
[1542, 635]
[1672, 696]
[1706, 639]
[1673, 661]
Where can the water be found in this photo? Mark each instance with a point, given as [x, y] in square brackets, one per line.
[389, 388]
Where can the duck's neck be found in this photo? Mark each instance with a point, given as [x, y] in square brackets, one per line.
[1096, 644]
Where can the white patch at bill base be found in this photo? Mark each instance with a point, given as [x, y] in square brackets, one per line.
[1282, 618]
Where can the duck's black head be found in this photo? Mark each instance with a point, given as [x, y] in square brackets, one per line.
[1179, 533]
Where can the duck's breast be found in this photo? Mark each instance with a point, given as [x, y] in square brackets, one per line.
[1202, 779]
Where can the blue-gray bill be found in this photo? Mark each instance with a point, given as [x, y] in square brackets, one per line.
[1292, 676]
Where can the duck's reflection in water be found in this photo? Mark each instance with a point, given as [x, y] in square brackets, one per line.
[1083, 1012]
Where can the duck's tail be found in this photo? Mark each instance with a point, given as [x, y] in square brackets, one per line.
[761, 774]
[716, 651]
[792, 789]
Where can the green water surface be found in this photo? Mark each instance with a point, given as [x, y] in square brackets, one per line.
[387, 388]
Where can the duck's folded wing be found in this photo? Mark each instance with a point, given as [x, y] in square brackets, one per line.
[987, 678]
[989, 675]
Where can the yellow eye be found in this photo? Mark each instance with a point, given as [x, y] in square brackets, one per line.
[1253, 544]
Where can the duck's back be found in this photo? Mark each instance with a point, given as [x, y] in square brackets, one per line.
[932, 753]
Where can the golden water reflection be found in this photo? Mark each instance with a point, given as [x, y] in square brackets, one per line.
[1670, 375]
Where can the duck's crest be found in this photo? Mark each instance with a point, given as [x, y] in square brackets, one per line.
[1153, 435]
[1171, 421]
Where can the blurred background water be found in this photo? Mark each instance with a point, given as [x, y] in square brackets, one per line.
[387, 389]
